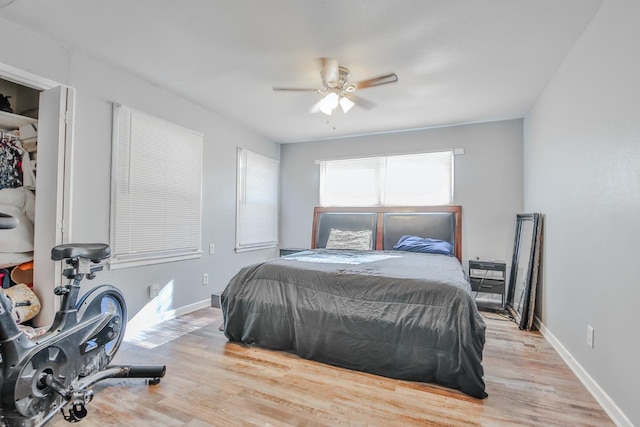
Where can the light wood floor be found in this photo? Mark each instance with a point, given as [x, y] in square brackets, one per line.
[211, 382]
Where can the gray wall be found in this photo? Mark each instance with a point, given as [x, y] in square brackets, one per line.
[97, 86]
[582, 169]
[488, 180]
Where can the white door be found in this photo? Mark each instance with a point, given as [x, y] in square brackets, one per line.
[53, 198]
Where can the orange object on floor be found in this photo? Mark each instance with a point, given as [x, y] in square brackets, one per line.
[23, 273]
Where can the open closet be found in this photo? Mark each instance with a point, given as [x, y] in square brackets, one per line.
[49, 105]
[18, 165]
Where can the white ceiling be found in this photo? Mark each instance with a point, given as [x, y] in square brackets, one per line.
[462, 61]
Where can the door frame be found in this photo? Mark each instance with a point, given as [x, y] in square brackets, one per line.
[62, 223]
[25, 78]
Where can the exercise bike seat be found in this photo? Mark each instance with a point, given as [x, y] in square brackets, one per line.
[93, 251]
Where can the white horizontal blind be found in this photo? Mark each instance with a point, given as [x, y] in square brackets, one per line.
[408, 180]
[157, 190]
[257, 201]
[351, 182]
[419, 179]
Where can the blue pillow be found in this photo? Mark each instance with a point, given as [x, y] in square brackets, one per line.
[423, 244]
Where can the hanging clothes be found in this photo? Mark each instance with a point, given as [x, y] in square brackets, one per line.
[10, 164]
[28, 172]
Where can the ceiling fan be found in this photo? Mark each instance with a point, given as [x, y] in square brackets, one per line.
[337, 90]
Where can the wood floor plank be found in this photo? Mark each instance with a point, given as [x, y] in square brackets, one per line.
[211, 382]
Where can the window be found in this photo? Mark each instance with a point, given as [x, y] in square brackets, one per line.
[156, 190]
[407, 180]
[257, 202]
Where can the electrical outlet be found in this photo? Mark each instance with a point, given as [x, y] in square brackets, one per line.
[154, 290]
[212, 249]
[590, 332]
[205, 279]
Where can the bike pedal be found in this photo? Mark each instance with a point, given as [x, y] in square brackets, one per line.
[153, 381]
[76, 413]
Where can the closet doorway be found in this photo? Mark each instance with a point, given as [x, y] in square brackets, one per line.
[51, 224]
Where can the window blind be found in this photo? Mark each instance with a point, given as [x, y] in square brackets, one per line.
[351, 182]
[156, 190]
[404, 180]
[257, 201]
[419, 179]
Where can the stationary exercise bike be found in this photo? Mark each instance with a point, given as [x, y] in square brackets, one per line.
[42, 375]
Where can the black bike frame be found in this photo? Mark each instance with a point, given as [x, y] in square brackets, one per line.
[17, 349]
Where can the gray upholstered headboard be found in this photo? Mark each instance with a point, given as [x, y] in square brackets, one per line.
[436, 225]
[388, 224]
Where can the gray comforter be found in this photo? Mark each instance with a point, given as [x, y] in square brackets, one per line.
[397, 314]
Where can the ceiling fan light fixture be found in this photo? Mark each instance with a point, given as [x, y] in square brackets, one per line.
[346, 104]
[336, 88]
[329, 103]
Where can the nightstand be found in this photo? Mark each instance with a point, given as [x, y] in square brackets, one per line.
[289, 251]
[488, 277]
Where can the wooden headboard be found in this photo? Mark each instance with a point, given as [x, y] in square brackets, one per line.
[388, 224]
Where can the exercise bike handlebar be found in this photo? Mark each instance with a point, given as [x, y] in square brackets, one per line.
[8, 221]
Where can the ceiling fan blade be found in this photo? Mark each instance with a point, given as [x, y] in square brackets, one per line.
[329, 71]
[361, 102]
[377, 81]
[295, 89]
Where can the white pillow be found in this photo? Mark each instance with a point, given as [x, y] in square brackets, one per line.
[12, 197]
[20, 198]
[358, 240]
[12, 259]
[19, 239]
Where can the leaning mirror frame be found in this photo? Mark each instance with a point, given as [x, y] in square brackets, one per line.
[524, 267]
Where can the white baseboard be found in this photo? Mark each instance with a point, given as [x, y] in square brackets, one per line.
[181, 311]
[609, 406]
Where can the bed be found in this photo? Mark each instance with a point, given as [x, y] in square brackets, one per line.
[369, 307]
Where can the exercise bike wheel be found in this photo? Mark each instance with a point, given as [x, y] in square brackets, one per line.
[105, 299]
[31, 396]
